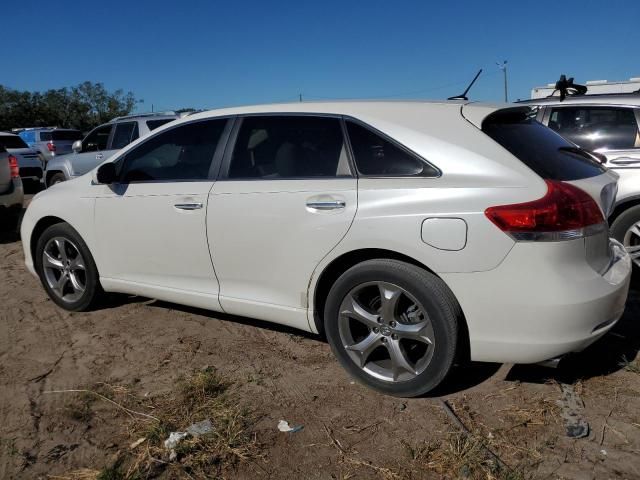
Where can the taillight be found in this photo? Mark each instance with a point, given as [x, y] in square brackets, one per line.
[13, 167]
[564, 213]
[51, 147]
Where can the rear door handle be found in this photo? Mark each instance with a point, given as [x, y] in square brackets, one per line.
[188, 206]
[327, 205]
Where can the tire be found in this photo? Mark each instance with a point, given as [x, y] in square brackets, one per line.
[623, 230]
[56, 178]
[80, 288]
[364, 332]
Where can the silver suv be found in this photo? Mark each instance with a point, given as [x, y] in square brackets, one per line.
[49, 141]
[101, 143]
[607, 124]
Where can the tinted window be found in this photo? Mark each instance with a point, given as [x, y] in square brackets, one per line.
[29, 137]
[542, 150]
[377, 156]
[66, 135]
[122, 135]
[97, 139]
[11, 141]
[45, 136]
[289, 147]
[596, 128]
[181, 153]
[153, 124]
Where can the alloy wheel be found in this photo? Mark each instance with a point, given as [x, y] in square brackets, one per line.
[64, 269]
[631, 242]
[386, 332]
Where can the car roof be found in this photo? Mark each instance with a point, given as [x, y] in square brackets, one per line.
[356, 108]
[632, 99]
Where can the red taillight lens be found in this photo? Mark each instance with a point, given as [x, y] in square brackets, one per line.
[13, 167]
[51, 147]
[563, 213]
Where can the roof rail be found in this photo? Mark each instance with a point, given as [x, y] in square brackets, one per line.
[146, 114]
[32, 128]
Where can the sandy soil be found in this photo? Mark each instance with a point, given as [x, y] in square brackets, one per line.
[349, 431]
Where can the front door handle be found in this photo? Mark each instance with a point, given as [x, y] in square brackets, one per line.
[188, 206]
[99, 156]
[327, 205]
[625, 161]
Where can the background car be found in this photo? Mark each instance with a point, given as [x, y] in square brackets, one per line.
[50, 141]
[11, 190]
[609, 125]
[414, 234]
[101, 143]
[28, 159]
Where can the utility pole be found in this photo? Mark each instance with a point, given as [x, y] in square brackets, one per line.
[300, 96]
[503, 66]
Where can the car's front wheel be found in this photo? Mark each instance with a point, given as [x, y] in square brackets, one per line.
[393, 326]
[66, 268]
[56, 178]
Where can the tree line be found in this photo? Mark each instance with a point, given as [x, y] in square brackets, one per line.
[82, 107]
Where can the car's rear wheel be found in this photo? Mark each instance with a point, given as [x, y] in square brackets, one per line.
[393, 326]
[66, 268]
[56, 178]
[626, 229]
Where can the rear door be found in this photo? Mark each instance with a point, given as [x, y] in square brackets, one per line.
[286, 197]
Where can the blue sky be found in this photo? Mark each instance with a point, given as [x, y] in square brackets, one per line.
[212, 53]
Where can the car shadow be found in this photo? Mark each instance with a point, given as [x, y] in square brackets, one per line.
[608, 355]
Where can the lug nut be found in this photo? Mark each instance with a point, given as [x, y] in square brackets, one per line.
[394, 336]
[376, 330]
[392, 324]
[379, 319]
[383, 339]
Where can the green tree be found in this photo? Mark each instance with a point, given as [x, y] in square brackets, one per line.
[83, 107]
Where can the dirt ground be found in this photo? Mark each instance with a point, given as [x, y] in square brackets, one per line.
[143, 347]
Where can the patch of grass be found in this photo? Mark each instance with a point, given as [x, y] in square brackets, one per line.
[458, 456]
[111, 473]
[632, 366]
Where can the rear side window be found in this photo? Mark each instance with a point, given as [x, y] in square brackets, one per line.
[123, 135]
[45, 136]
[277, 147]
[542, 150]
[597, 128]
[11, 141]
[66, 135]
[153, 124]
[379, 157]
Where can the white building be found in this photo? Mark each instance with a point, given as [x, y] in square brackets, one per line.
[594, 86]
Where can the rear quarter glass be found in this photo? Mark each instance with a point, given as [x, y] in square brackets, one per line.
[545, 152]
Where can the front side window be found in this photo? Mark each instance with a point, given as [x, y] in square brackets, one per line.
[597, 128]
[277, 147]
[123, 135]
[97, 139]
[379, 157]
[182, 153]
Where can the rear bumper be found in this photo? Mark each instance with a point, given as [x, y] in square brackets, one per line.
[14, 198]
[542, 302]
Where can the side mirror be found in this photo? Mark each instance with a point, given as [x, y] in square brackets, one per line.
[77, 146]
[106, 173]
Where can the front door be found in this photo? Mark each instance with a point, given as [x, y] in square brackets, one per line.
[285, 200]
[151, 225]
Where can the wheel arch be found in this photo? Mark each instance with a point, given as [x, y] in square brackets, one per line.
[51, 173]
[622, 206]
[345, 261]
[40, 226]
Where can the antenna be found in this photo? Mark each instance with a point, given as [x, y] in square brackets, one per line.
[463, 95]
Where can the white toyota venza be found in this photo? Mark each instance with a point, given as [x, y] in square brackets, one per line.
[412, 234]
